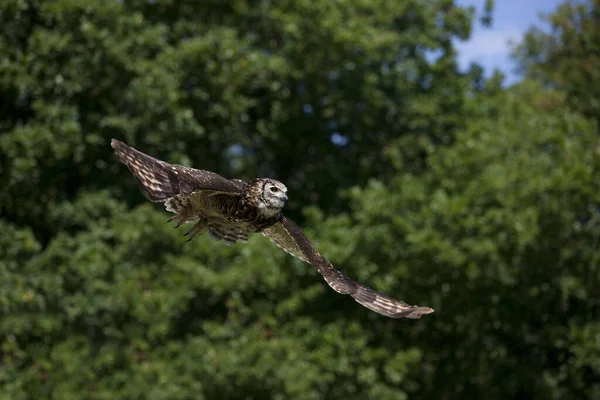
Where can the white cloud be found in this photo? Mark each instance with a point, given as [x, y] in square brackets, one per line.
[488, 44]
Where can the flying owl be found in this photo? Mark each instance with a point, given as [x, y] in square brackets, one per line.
[230, 209]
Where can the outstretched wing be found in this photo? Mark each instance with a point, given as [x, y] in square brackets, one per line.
[162, 181]
[289, 237]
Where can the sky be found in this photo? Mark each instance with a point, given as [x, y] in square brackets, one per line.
[511, 19]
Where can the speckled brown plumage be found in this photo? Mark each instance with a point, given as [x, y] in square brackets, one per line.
[230, 209]
[227, 209]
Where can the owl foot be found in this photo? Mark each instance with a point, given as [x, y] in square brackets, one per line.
[195, 230]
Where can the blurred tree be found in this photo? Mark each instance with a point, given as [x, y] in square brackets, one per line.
[306, 91]
[567, 55]
[482, 203]
[101, 299]
[506, 223]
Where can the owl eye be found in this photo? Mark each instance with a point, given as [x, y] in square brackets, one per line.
[273, 189]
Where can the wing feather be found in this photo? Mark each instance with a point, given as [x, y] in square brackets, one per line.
[162, 181]
[289, 237]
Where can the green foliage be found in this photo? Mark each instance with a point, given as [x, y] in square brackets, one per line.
[265, 84]
[124, 308]
[567, 55]
[505, 224]
[439, 188]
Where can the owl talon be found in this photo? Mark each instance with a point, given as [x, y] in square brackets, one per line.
[180, 218]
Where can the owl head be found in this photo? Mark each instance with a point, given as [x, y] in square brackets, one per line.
[272, 196]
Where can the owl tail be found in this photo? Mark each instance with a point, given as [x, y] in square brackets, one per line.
[157, 178]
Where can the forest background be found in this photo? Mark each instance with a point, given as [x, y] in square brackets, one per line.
[438, 186]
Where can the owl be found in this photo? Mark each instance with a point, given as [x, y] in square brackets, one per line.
[230, 209]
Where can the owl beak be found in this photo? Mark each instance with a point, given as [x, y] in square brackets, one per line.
[285, 198]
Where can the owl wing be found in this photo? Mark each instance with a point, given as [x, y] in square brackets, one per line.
[289, 237]
[162, 181]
